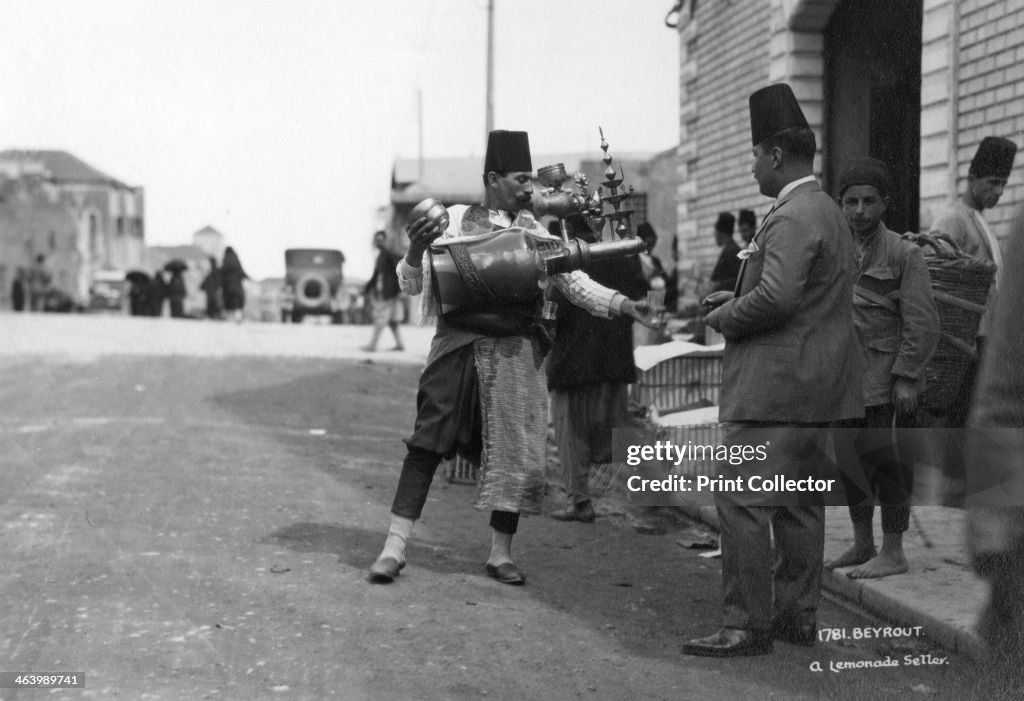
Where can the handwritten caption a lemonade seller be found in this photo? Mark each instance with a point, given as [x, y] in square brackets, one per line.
[662, 451]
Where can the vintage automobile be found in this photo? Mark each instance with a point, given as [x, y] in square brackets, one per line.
[313, 280]
[108, 292]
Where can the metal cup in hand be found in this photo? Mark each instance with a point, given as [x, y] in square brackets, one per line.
[433, 210]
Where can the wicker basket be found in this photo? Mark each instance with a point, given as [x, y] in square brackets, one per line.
[960, 285]
[679, 383]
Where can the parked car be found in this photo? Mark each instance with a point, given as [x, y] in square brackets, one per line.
[109, 291]
[57, 300]
[313, 280]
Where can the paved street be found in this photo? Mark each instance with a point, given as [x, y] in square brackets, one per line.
[187, 510]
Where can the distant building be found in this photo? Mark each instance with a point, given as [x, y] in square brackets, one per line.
[81, 219]
[916, 83]
[211, 241]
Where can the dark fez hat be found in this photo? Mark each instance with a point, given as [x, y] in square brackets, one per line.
[508, 152]
[726, 222]
[866, 171]
[994, 158]
[773, 109]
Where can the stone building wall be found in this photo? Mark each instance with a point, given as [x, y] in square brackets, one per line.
[972, 85]
[724, 56]
[80, 226]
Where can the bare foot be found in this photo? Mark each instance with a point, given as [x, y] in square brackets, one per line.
[880, 566]
[855, 555]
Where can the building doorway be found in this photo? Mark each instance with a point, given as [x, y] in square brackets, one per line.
[873, 97]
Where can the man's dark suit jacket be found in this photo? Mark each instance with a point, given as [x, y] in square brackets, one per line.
[791, 352]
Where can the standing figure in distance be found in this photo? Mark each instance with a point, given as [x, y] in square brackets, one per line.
[747, 224]
[157, 293]
[727, 269]
[176, 293]
[653, 270]
[212, 285]
[39, 281]
[384, 294]
[657, 278]
[233, 277]
[18, 290]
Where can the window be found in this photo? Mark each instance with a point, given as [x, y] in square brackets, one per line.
[638, 203]
[94, 238]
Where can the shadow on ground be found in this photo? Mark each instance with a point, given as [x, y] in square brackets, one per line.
[358, 547]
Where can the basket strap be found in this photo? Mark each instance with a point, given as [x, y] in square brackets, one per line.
[961, 345]
[940, 296]
[882, 301]
[942, 244]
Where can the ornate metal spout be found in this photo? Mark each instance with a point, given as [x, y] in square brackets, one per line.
[578, 254]
[557, 201]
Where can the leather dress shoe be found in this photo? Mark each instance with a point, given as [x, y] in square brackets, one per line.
[506, 573]
[731, 642]
[384, 570]
[582, 512]
[799, 630]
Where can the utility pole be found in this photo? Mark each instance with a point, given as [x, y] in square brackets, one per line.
[490, 67]
[419, 129]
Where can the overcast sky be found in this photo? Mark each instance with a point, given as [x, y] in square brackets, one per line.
[277, 121]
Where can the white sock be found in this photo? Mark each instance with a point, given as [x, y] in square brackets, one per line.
[398, 534]
[501, 548]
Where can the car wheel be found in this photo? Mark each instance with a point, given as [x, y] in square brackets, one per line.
[312, 289]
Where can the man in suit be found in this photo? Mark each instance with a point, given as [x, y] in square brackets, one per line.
[791, 364]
